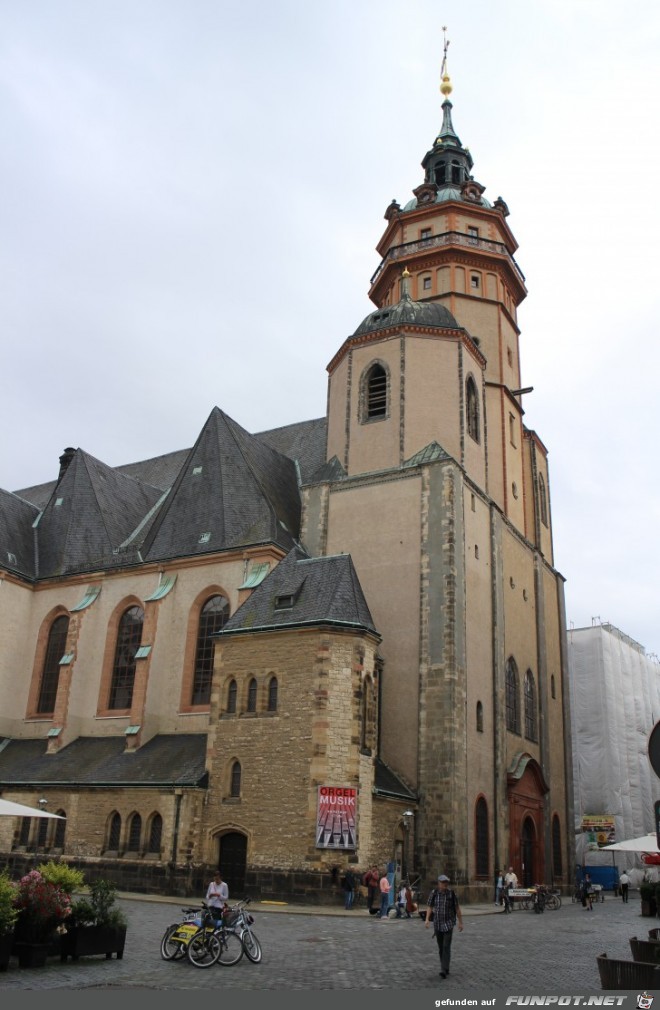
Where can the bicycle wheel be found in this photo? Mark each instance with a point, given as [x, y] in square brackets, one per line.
[553, 902]
[251, 946]
[204, 949]
[231, 947]
[171, 950]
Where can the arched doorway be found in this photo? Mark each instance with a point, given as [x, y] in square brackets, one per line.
[527, 847]
[232, 860]
[526, 791]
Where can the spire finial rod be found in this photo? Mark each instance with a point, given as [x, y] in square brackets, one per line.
[445, 81]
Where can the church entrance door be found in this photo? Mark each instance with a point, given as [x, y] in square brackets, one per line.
[232, 862]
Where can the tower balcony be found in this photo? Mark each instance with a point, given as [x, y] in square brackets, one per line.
[448, 238]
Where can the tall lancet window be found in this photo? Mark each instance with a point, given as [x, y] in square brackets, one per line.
[472, 408]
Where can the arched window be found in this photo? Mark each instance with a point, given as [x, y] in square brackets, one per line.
[24, 836]
[455, 172]
[155, 833]
[60, 831]
[480, 717]
[367, 688]
[557, 864]
[129, 636]
[235, 779]
[42, 832]
[50, 676]
[252, 696]
[114, 833]
[272, 694]
[472, 408]
[512, 697]
[481, 837]
[134, 833]
[543, 500]
[376, 392]
[440, 173]
[530, 706]
[213, 616]
[232, 691]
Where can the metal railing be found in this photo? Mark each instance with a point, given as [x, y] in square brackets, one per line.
[460, 238]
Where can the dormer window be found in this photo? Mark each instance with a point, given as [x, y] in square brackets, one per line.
[284, 601]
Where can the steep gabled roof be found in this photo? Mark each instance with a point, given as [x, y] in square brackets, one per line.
[16, 534]
[304, 591]
[91, 511]
[232, 491]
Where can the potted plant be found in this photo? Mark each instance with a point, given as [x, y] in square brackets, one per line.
[97, 925]
[42, 909]
[8, 917]
[68, 880]
[647, 895]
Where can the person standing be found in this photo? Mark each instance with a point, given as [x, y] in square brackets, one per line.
[587, 897]
[510, 877]
[217, 894]
[349, 889]
[371, 880]
[445, 909]
[499, 886]
[384, 887]
[624, 883]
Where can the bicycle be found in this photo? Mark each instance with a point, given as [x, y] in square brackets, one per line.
[202, 939]
[240, 922]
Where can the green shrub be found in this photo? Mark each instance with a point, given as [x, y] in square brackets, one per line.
[8, 914]
[62, 876]
[99, 909]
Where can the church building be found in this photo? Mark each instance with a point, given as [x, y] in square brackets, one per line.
[337, 643]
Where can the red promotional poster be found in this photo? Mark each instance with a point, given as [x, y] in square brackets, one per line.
[336, 818]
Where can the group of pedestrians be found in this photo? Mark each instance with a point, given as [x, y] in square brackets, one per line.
[379, 889]
[504, 884]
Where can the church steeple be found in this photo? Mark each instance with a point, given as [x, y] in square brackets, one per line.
[448, 163]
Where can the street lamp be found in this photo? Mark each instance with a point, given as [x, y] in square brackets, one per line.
[408, 816]
[43, 803]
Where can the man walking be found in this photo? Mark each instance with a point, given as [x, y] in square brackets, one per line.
[443, 906]
[624, 882]
[385, 888]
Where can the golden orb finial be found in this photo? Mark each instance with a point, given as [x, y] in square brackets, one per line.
[406, 272]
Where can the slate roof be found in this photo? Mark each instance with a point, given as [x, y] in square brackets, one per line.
[324, 591]
[16, 533]
[177, 759]
[232, 491]
[406, 311]
[247, 493]
[92, 510]
[388, 782]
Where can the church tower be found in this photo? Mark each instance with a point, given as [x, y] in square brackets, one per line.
[440, 492]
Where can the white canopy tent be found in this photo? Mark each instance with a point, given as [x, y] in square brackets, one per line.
[646, 843]
[10, 809]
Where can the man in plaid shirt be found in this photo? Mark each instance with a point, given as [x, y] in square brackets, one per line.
[444, 907]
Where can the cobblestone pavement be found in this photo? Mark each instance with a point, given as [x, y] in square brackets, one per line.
[522, 952]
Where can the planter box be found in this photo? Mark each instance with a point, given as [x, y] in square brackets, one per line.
[645, 950]
[31, 955]
[6, 943]
[649, 907]
[616, 974]
[84, 941]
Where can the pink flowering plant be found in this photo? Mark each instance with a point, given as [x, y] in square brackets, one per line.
[42, 907]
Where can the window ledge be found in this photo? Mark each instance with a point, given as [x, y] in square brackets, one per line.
[231, 799]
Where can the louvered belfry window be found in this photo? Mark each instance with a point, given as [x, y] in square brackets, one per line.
[377, 392]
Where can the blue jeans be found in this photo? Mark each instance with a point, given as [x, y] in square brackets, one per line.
[348, 899]
[384, 905]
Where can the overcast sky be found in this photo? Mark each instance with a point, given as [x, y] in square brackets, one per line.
[192, 191]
